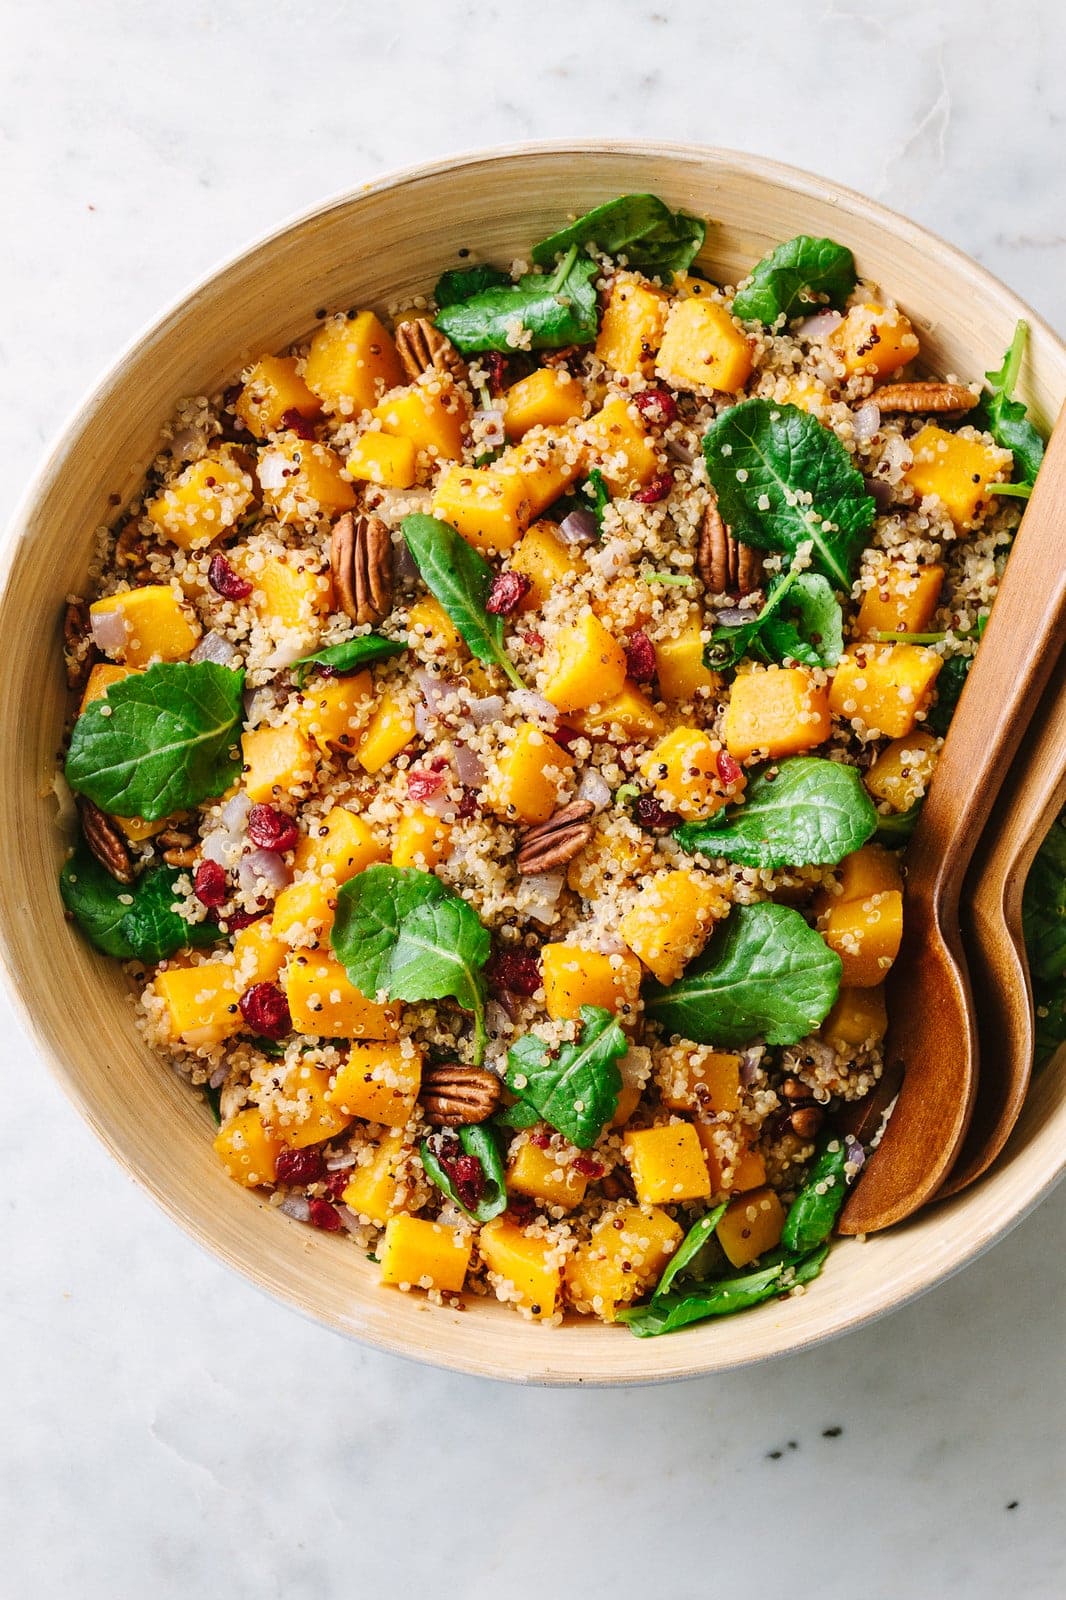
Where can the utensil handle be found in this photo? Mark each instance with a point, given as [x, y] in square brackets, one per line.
[1019, 649]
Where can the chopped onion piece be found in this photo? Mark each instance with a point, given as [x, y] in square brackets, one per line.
[213, 647]
[594, 790]
[865, 421]
[538, 896]
[534, 705]
[820, 326]
[488, 708]
[296, 1206]
[580, 527]
[266, 865]
[235, 812]
[109, 631]
[469, 767]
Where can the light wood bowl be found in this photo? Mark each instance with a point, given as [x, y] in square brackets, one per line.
[384, 241]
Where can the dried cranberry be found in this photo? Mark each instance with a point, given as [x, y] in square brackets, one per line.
[300, 1166]
[468, 805]
[516, 971]
[271, 829]
[656, 406]
[240, 919]
[469, 1180]
[728, 769]
[209, 884]
[323, 1215]
[508, 591]
[229, 584]
[588, 1167]
[297, 423]
[421, 783]
[566, 736]
[640, 657]
[535, 641]
[266, 1010]
[541, 1138]
[522, 1208]
[337, 1182]
[656, 490]
[650, 813]
[495, 364]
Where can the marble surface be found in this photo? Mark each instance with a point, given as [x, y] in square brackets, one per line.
[167, 1431]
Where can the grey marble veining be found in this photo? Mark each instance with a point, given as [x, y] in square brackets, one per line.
[164, 1429]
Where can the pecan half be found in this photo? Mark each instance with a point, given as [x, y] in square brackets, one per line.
[725, 565]
[360, 556]
[177, 848]
[105, 841]
[453, 1096]
[79, 652]
[924, 397]
[131, 554]
[553, 843]
[423, 348]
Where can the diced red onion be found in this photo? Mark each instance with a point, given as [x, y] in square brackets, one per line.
[488, 708]
[534, 705]
[488, 427]
[273, 468]
[266, 865]
[635, 1066]
[614, 558]
[235, 812]
[580, 527]
[595, 790]
[865, 421]
[819, 326]
[749, 1065]
[854, 1154]
[881, 492]
[469, 767]
[497, 1017]
[342, 1161]
[283, 655]
[351, 1221]
[404, 567]
[296, 1206]
[218, 1077]
[538, 895]
[677, 451]
[213, 647]
[434, 690]
[67, 813]
[109, 631]
[220, 847]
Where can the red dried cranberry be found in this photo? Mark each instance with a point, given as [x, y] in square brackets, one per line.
[728, 769]
[323, 1215]
[266, 1010]
[656, 490]
[421, 783]
[588, 1167]
[522, 1208]
[565, 736]
[535, 641]
[469, 1180]
[240, 919]
[297, 423]
[508, 591]
[516, 971]
[650, 814]
[229, 584]
[271, 829]
[656, 406]
[337, 1182]
[300, 1166]
[495, 364]
[209, 884]
[541, 1138]
[468, 805]
[640, 657]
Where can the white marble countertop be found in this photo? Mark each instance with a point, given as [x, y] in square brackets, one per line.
[167, 1431]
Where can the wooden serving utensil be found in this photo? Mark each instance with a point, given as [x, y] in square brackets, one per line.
[932, 1029]
[992, 932]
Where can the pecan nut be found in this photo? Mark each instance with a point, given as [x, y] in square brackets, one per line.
[105, 841]
[131, 554]
[360, 558]
[79, 652]
[725, 565]
[177, 848]
[453, 1096]
[940, 397]
[423, 348]
[553, 843]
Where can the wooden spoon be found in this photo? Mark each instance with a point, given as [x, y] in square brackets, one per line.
[931, 1023]
[992, 930]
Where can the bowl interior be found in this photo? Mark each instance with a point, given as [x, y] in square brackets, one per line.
[375, 247]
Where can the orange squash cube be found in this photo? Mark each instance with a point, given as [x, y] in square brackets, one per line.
[548, 397]
[693, 1077]
[779, 712]
[271, 388]
[158, 626]
[248, 1149]
[667, 1164]
[352, 362]
[631, 327]
[527, 1267]
[375, 1190]
[671, 920]
[869, 870]
[586, 665]
[620, 446]
[531, 776]
[432, 631]
[199, 1004]
[736, 1175]
[422, 840]
[857, 1021]
[629, 717]
[900, 775]
[541, 1175]
[680, 667]
[703, 348]
[207, 498]
[880, 689]
[751, 1225]
[381, 459]
[335, 711]
[316, 1118]
[425, 1255]
[102, 676]
[324, 1003]
[258, 956]
[683, 769]
[433, 414]
[541, 556]
[873, 339]
[390, 730]
[491, 509]
[902, 600]
[276, 761]
[302, 479]
[957, 470]
[304, 912]
[379, 1082]
[574, 977]
[626, 1254]
[289, 593]
[337, 846]
[866, 935]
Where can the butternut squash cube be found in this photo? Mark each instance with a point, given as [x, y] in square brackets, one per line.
[680, 667]
[616, 853]
[667, 1164]
[548, 397]
[301, 479]
[574, 977]
[531, 776]
[390, 730]
[869, 870]
[433, 414]
[683, 769]
[586, 665]
[703, 348]
[671, 920]
[620, 446]
[273, 387]
[736, 1175]
[248, 1149]
[324, 1002]
[489, 508]
[258, 956]
[751, 1225]
[902, 600]
[374, 1191]
[432, 631]
[873, 339]
[352, 362]
[779, 712]
[880, 689]
[425, 1255]
[900, 775]
[136, 829]
[276, 761]
[199, 1004]
[317, 1118]
[527, 1267]
[866, 935]
[546, 462]
[158, 627]
[381, 459]
[857, 1021]
[304, 912]
[631, 327]
[379, 1082]
[541, 556]
[289, 593]
[335, 711]
[693, 1077]
[102, 676]
[421, 840]
[208, 497]
[337, 846]
[805, 392]
[540, 1174]
[628, 713]
[957, 470]
[626, 1254]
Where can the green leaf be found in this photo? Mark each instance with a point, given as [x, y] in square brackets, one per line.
[462, 283]
[213, 1098]
[804, 812]
[574, 1087]
[160, 741]
[401, 933]
[476, 1140]
[1007, 419]
[653, 238]
[783, 480]
[145, 928]
[556, 310]
[699, 1235]
[813, 1213]
[1044, 908]
[950, 682]
[461, 580]
[801, 620]
[765, 974]
[795, 278]
[721, 1297]
[897, 827]
[348, 656]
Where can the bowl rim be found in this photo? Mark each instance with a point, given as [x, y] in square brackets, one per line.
[16, 536]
